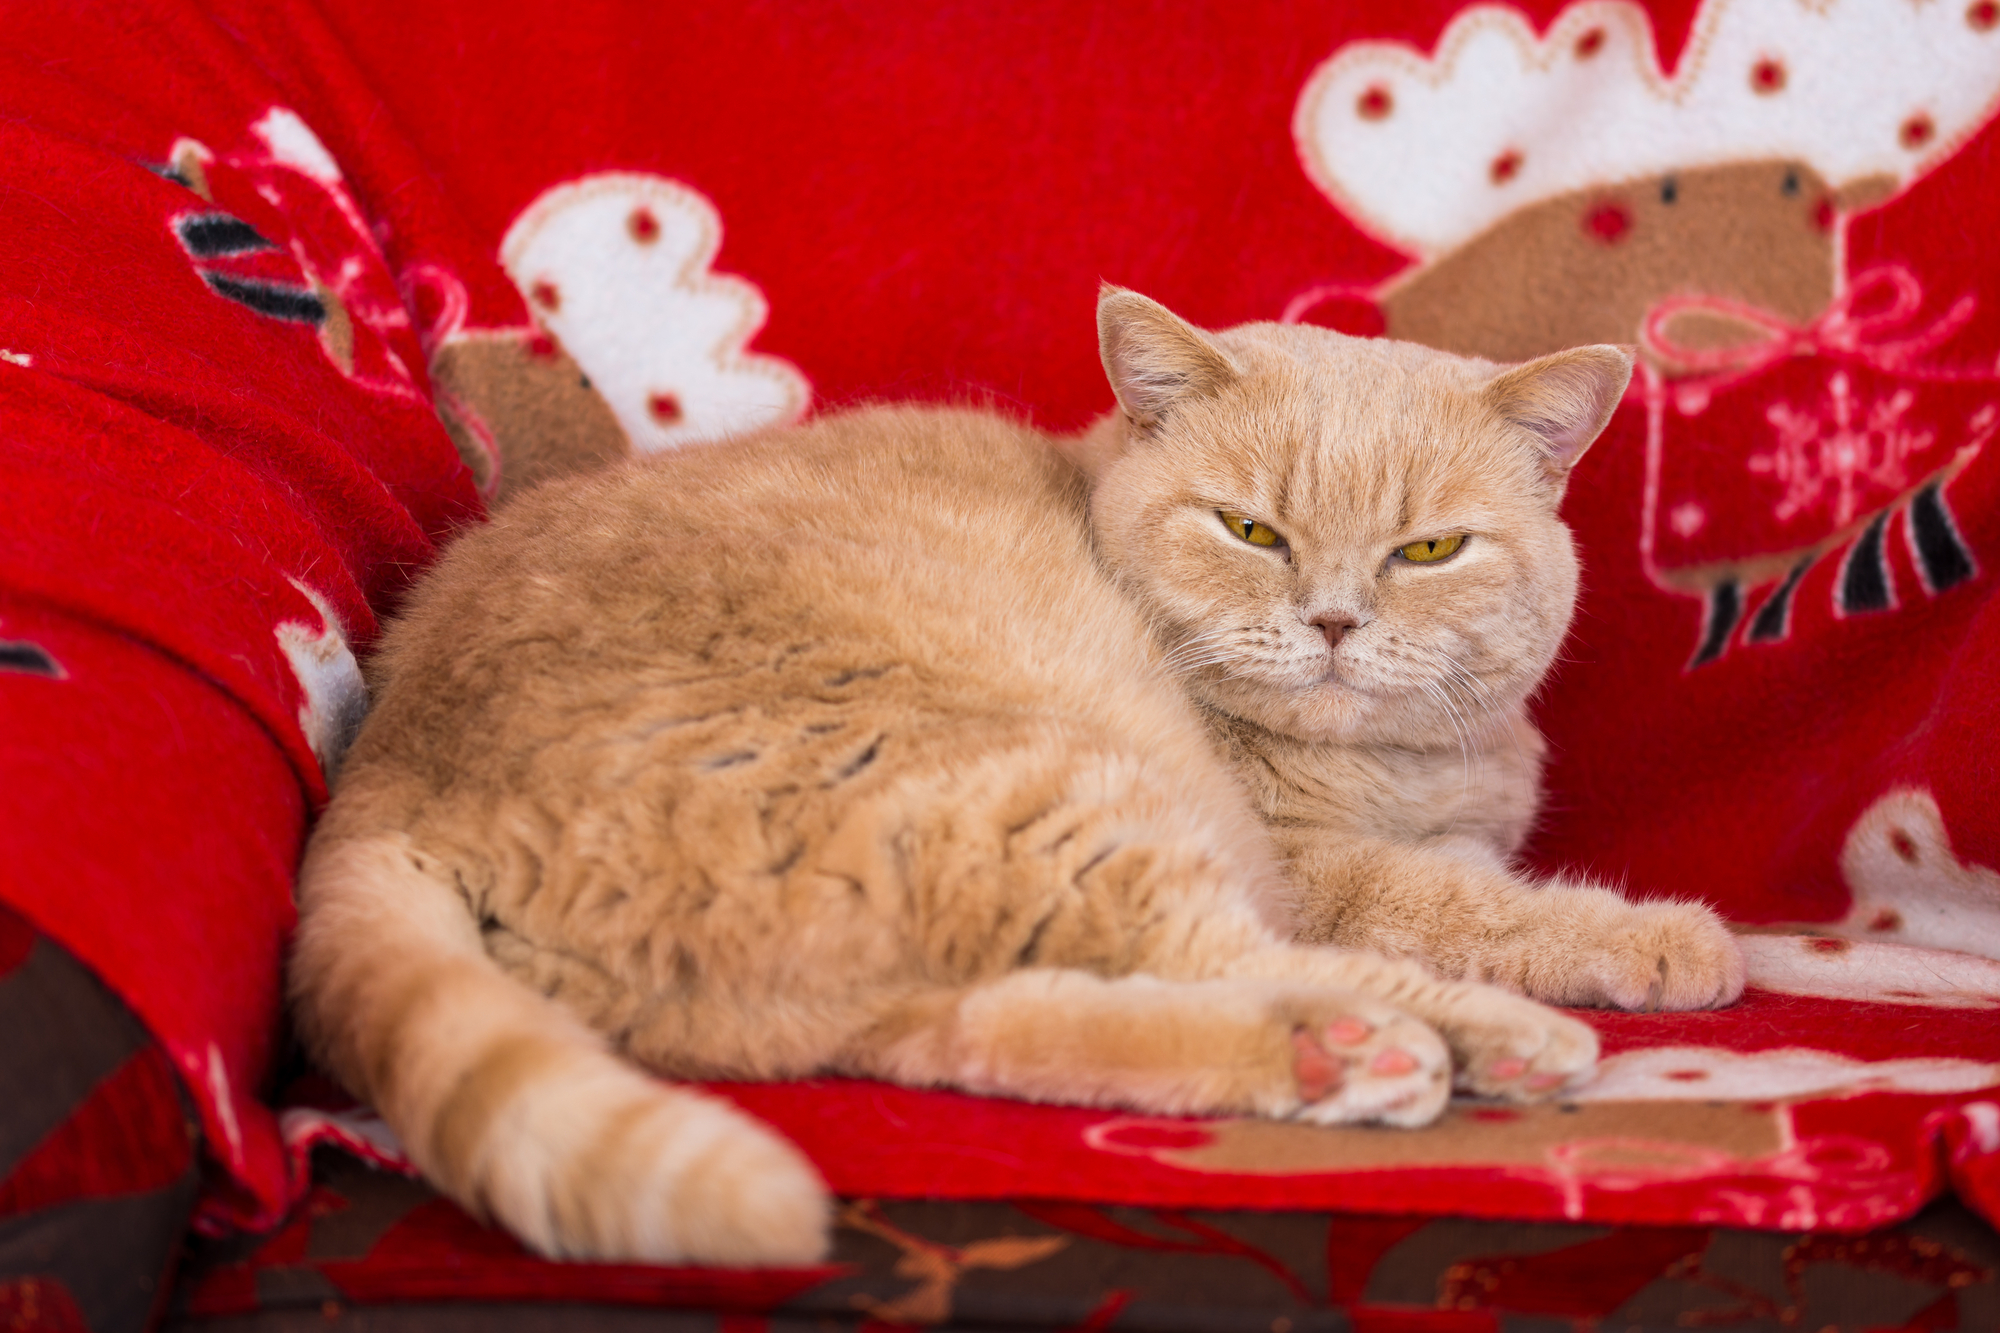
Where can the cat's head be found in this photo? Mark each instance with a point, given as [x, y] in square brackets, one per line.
[1342, 538]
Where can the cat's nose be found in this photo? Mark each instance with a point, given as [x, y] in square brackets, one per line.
[1334, 624]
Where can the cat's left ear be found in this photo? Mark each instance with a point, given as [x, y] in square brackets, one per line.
[1155, 358]
[1564, 400]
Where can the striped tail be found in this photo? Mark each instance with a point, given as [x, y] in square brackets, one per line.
[511, 1105]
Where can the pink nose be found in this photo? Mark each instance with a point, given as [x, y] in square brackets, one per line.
[1334, 626]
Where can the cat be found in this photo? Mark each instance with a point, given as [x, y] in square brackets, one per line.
[911, 744]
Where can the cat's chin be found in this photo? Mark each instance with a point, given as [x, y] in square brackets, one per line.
[1329, 709]
[1332, 710]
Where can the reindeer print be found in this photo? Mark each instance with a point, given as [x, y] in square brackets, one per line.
[1797, 414]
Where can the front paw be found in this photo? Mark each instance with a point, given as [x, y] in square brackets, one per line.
[1653, 956]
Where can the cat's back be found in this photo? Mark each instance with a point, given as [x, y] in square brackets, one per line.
[922, 557]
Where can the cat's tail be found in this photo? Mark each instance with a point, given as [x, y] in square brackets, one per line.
[510, 1104]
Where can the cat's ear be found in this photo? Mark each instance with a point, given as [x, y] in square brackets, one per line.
[1564, 400]
[1155, 358]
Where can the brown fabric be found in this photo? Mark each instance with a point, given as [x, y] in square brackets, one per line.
[1030, 1265]
[518, 393]
[97, 1158]
[1494, 1135]
[64, 1032]
[1585, 267]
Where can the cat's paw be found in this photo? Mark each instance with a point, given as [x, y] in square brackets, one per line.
[1368, 1063]
[1507, 1046]
[1654, 956]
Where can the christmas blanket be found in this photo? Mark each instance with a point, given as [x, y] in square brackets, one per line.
[288, 294]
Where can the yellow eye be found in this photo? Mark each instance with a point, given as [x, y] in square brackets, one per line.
[1250, 530]
[1425, 553]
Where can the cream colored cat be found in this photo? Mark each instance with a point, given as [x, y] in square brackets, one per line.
[901, 745]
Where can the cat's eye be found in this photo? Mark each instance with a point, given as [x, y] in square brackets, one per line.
[1430, 552]
[1250, 530]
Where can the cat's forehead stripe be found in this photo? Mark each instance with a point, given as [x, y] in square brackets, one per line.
[1393, 443]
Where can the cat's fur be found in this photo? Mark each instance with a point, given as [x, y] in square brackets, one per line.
[900, 745]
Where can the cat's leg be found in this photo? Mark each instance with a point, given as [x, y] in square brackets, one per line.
[1470, 918]
[1218, 1046]
[1129, 921]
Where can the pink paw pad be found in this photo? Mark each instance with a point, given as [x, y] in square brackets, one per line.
[1316, 1072]
[1348, 1031]
[1392, 1062]
[1507, 1069]
[1543, 1082]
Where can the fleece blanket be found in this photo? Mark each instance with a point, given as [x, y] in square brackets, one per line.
[290, 293]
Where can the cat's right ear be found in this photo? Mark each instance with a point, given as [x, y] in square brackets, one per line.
[1153, 357]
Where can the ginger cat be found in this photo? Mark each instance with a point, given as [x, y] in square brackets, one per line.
[907, 746]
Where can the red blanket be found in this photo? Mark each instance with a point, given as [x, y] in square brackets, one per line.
[283, 293]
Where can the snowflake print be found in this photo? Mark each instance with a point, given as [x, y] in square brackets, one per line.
[1833, 455]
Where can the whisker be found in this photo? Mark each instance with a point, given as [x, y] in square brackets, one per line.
[1466, 675]
[1431, 688]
